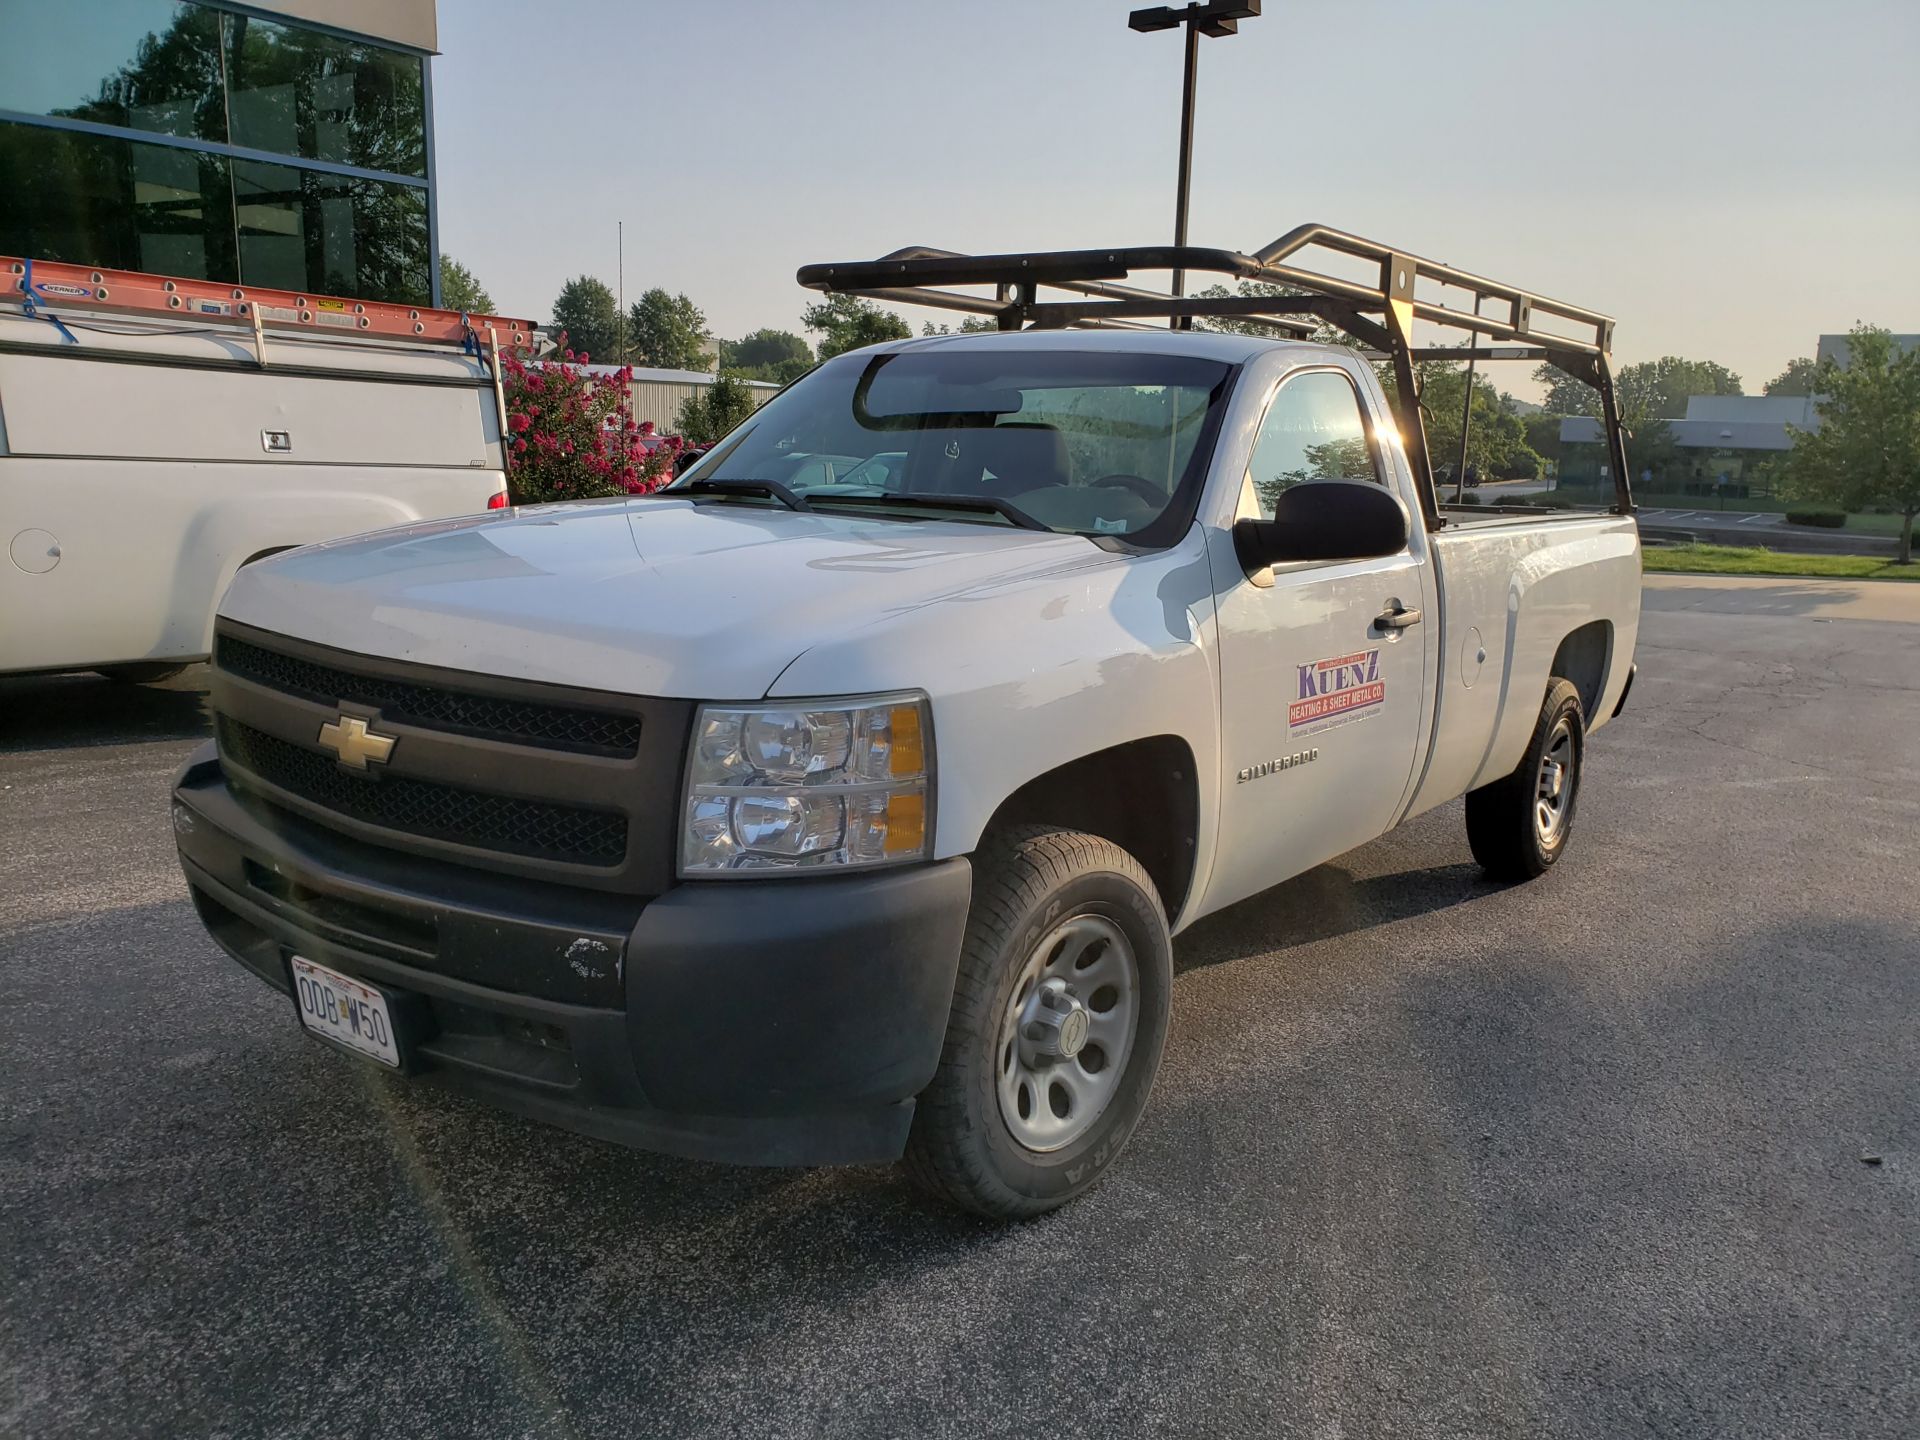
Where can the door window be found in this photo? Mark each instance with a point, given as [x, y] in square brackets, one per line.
[1314, 430]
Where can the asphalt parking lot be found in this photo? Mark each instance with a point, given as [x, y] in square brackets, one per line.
[1428, 1157]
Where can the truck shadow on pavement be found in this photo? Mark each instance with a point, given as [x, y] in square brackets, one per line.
[1327, 902]
[63, 712]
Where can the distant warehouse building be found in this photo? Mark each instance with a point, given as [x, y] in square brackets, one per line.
[1724, 435]
[1721, 422]
[285, 144]
[1838, 349]
[658, 394]
[1727, 438]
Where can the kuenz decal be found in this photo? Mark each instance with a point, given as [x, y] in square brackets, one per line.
[1346, 687]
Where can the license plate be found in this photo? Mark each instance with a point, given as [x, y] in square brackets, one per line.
[339, 1008]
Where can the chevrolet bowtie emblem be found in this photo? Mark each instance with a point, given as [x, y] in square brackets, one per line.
[356, 745]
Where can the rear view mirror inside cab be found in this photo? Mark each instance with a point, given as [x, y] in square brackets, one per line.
[1324, 520]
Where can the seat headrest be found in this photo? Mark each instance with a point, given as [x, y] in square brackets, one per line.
[1021, 457]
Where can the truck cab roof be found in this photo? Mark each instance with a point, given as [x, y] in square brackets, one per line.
[1222, 346]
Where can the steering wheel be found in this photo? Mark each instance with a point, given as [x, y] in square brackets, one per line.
[1138, 484]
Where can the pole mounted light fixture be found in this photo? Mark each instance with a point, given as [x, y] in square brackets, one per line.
[1221, 17]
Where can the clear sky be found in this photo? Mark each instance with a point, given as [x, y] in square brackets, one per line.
[1728, 178]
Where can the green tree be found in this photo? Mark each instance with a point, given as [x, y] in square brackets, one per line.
[972, 325]
[1497, 447]
[1651, 390]
[586, 311]
[846, 322]
[785, 373]
[460, 289]
[1798, 378]
[776, 355]
[707, 416]
[667, 332]
[1566, 394]
[1543, 435]
[1233, 325]
[766, 349]
[1866, 453]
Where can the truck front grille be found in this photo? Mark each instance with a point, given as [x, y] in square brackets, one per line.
[460, 712]
[425, 808]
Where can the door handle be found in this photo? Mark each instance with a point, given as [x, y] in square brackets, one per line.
[1397, 617]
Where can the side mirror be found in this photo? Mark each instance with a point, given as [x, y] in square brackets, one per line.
[1325, 520]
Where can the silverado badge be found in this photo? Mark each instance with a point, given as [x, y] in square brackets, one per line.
[354, 744]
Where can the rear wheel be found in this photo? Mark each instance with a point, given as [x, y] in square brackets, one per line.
[1059, 1018]
[1518, 826]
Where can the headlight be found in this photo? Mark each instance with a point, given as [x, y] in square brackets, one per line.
[820, 784]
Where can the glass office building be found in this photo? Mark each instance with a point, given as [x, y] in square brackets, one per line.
[218, 141]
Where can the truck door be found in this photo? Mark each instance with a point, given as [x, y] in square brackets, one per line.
[1322, 704]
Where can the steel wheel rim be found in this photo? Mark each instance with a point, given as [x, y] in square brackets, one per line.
[1553, 786]
[1048, 1103]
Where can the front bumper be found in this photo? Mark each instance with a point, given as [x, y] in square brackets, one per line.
[783, 1022]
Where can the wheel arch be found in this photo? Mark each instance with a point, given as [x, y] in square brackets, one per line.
[1143, 795]
[1585, 657]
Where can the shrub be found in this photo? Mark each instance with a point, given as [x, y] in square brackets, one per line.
[709, 414]
[1829, 517]
[573, 433]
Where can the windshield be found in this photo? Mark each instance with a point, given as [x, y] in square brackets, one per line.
[1093, 443]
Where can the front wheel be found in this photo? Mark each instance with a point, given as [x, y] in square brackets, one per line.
[1059, 1018]
[1518, 825]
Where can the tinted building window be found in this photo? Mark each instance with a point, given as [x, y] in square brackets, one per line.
[97, 200]
[221, 83]
[146, 64]
[336, 234]
[298, 92]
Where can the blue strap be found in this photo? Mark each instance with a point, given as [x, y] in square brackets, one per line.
[32, 307]
[472, 343]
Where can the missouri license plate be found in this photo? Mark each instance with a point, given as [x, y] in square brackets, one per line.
[341, 1009]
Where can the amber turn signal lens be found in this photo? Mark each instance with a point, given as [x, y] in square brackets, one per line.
[906, 824]
[909, 755]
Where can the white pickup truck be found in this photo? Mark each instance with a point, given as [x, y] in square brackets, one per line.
[856, 823]
[156, 435]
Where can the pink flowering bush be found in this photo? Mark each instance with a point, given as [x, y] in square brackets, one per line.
[573, 436]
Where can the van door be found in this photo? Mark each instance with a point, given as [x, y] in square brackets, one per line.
[1322, 704]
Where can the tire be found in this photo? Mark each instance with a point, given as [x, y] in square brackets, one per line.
[145, 672]
[977, 1142]
[1516, 829]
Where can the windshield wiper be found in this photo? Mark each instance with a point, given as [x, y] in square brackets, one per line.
[757, 489]
[990, 504]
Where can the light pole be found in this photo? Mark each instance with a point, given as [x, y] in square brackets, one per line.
[1221, 17]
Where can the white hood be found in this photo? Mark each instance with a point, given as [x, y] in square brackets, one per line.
[646, 597]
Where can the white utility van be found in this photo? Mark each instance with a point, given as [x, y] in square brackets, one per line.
[157, 435]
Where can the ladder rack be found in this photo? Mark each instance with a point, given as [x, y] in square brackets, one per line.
[1377, 312]
[53, 285]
